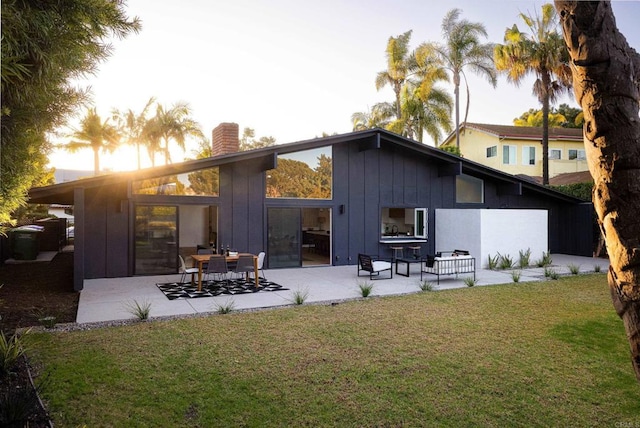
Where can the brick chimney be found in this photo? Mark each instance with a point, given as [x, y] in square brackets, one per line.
[224, 139]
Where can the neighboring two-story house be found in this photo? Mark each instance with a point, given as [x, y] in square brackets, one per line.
[517, 150]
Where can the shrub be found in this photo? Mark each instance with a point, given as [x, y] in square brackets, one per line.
[366, 288]
[506, 262]
[596, 268]
[492, 262]
[469, 281]
[225, 308]
[139, 310]
[427, 286]
[515, 275]
[548, 271]
[299, 296]
[524, 258]
[11, 348]
[545, 260]
[574, 269]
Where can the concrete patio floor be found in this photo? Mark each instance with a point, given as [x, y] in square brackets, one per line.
[107, 299]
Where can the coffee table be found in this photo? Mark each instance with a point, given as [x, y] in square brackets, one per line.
[407, 261]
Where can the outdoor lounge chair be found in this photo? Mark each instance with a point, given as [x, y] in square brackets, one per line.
[373, 266]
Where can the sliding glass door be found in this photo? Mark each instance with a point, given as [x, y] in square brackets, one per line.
[156, 239]
[299, 237]
[283, 242]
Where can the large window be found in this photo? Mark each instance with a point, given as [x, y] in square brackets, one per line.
[469, 190]
[509, 155]
[204, 182]
[528, 155]
[305, 174]
[409, 222]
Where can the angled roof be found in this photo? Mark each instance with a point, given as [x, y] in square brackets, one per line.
[63, 193]
[510, 132]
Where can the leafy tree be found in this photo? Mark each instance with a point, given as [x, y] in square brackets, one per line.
[94, 134]
[378, 117]
[131, 126]
[575, 117]
[207, 181]
[173, 124]
[463, 49]
[534, 118]
[296, 179]
[248, 141]
[44, 45]
[455, 150]
[543, 54]
[606, 76]
[563, 115]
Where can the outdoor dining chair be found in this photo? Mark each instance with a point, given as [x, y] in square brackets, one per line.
[217, 266]
[184, 270]
[204, 250]
[244, 266]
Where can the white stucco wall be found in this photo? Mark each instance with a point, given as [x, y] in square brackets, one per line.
[488, 232]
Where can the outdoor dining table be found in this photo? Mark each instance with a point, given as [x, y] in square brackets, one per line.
[200, 259]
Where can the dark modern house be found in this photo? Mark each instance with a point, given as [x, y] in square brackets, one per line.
[315, 202]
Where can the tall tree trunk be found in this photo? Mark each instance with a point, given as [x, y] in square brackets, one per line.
[606, 81]
[96, 161]
[456, 91]
[546, 84]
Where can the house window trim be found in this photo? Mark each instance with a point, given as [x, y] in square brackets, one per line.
[556, 150]
[515, 156]
[578, 152]
[526, 160]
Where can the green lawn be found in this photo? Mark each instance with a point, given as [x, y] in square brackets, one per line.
[527, 354]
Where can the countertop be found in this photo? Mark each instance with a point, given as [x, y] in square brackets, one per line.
[402, 239]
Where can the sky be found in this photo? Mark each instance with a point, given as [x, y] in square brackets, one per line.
[290, 69]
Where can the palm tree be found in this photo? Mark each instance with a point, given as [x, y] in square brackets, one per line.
[399, 67]
[542, 53]
[96, 135]
[424, 109]
[171, 124]
[132, 126]
[463, 49]
[377, 117]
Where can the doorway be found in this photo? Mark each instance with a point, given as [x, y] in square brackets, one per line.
[156, 239]
[298, 237]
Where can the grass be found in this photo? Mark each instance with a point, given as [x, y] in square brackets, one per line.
[427, 286]
[550, 353]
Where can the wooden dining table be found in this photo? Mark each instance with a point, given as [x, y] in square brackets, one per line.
[200, 259]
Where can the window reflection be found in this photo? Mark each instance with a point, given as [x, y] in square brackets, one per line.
[469, 190]
[205, 182]
[306, 174]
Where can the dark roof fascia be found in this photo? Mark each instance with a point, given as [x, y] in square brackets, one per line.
[48, 194]
[475, 168]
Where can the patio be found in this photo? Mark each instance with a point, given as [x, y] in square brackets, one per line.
[106, 299]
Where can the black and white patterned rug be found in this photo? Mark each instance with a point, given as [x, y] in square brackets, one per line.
[187, 290]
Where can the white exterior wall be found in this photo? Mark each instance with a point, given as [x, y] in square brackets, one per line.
[488, 232]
